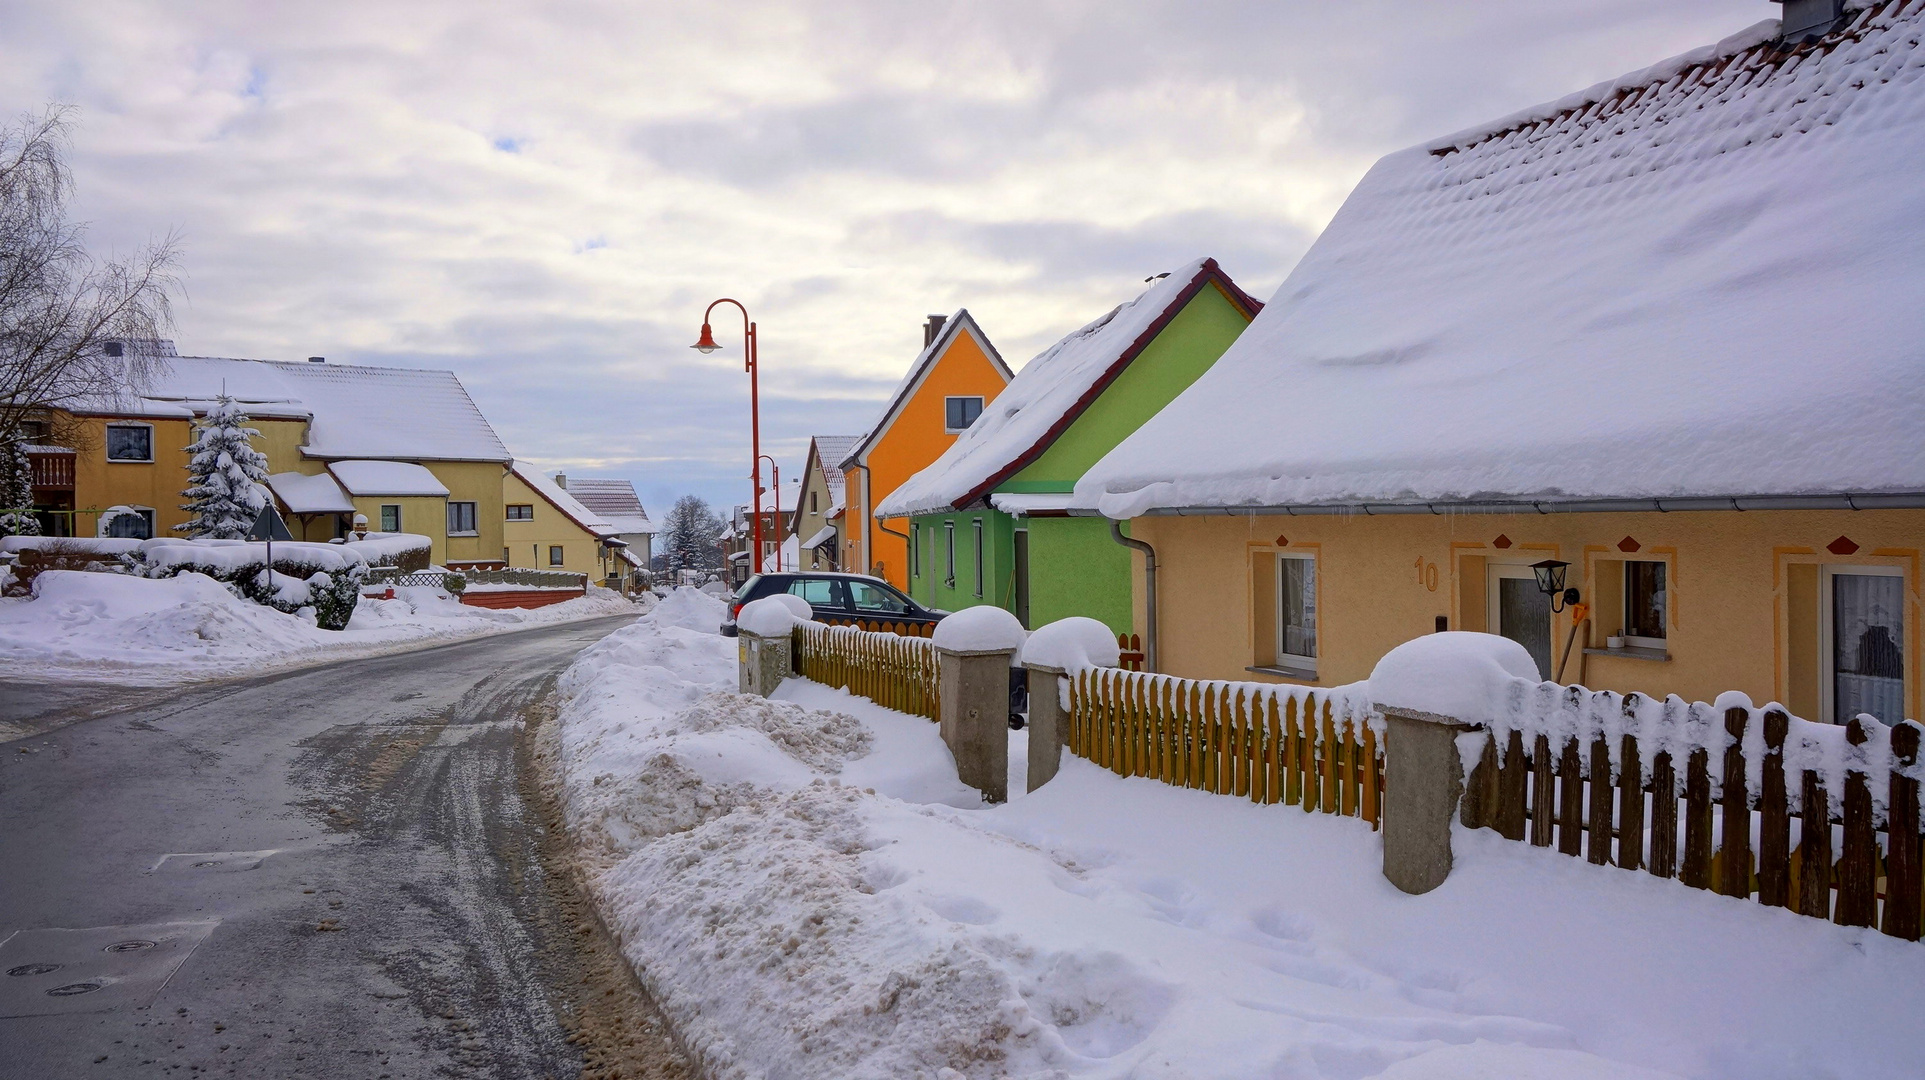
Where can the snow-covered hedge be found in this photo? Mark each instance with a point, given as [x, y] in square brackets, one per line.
[409, 551]
[326, 577]
[37, 554]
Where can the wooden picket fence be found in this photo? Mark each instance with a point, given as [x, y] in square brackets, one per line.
[1270, 744]
[895, 671]
[1129, 652]
[1571, 763]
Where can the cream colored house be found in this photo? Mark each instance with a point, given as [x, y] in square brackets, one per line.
[546, 528]
[820, 514]
[1663, 332]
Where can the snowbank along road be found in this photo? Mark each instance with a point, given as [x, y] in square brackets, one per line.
[343, 871]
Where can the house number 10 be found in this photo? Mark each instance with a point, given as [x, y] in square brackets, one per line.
[1426, 573]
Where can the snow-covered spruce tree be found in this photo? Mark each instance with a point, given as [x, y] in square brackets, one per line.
[692, 530]
[16, 491]
[226, 473]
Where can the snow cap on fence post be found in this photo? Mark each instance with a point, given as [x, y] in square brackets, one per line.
[1431, 690]
[764, 644]
[975, 649]
[1052, 652]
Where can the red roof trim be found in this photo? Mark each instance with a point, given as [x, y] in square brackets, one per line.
[1207, 274]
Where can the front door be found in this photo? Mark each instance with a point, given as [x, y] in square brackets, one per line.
[1022, 577]
[1521, 612]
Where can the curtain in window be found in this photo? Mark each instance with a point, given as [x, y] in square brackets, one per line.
[1297, 592]
[1868, 646]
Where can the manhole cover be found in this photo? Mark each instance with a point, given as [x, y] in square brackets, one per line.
[72, 989]
[134, 945]
[32, 969]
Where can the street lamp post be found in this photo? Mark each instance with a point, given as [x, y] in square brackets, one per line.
[705, 345]
[775, 481]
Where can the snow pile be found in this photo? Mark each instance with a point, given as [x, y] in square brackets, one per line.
[793, 922]
[1708, 269]
[691, 609]
[983, 628]
[1457, 673]
[771, 616]
[1071, 644]
[1057, 383]
[160, 631]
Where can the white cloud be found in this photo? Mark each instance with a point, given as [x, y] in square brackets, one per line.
[544, 197]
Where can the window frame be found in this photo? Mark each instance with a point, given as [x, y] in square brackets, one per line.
[107, 448]
[1296, 663]
[556, 556]
[949, 549]
[980, 401]
[512, 516]
[915, 550]
[1640, 641]
[385, 507]
[472, 517]
[1827, 632]
[977, 524]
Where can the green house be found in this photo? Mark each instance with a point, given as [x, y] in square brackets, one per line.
[990, 519]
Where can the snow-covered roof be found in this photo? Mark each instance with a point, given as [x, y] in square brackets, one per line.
[820, 537]
[386, 478]
[1050, 392]
[918, 370]
[318, 494]
[1700, 282]
[614, 501]
[355, 411]
[1025, 503]
[570, 506]
[832, 451]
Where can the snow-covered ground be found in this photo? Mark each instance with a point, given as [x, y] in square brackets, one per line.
[808, 892]
[140, 631]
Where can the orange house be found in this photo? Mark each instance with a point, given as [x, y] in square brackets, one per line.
[957, 373]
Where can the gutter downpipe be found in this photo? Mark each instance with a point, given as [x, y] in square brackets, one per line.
[1149, 590]
[906, 543]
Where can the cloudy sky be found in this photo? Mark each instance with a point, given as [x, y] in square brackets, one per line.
[543, 197]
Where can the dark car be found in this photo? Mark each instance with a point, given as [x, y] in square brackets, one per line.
[841, 600]
[868, 602]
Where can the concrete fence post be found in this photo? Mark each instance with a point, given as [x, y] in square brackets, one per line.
[1048, 723]
[1423, 781]
[764, 661]
[974, 688]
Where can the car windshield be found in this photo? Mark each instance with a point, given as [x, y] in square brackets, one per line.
[875, 596]
[748, 587]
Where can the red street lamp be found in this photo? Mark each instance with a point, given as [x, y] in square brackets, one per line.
[705, 345]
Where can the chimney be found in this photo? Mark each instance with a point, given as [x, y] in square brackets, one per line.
[931, 328]
[561, 481]
[1803, 19]
[317, 359]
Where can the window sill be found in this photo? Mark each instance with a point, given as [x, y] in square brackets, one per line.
[456, 535]
[1632, 652]
[130, 461]
[1299, 674]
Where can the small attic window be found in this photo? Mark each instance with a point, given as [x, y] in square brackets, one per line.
[960, 412]
[113, 348]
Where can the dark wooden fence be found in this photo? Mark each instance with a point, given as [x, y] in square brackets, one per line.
[1622, 780]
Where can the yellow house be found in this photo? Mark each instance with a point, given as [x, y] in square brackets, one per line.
[403, 446]
[546, 528]
[957, 373]
[819, 517]
[1659, 338]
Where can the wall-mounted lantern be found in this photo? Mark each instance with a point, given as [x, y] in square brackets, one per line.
[1550, 582]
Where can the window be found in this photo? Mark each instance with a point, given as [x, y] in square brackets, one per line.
[949, 542]
[960, 412]
[812, 508]
[1297, 611]
[978, 523]
[1863, 620]
[130, 442]
[1645, 603]
[915, 550]
[461, 519]
[390, 517]
[521, 512]
[871, 597]
[133, 523]
[33, 431]
[819, 592]
[554, 554]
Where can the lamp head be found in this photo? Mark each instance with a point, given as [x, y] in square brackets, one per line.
[707, 343]
[1550, 582]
